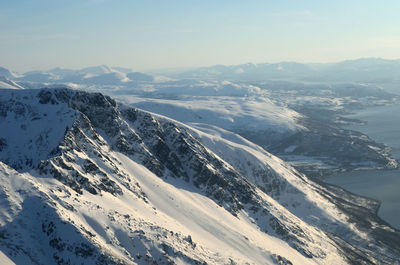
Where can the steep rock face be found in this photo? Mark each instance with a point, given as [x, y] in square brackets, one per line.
[30, 139]
[94, 162]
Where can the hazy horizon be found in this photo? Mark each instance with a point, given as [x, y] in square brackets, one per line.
[152, 35]
[183, 68]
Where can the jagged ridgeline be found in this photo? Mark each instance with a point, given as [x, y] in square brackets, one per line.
[85, 180]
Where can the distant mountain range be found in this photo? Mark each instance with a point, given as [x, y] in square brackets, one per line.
[360, 70]
[97, 75]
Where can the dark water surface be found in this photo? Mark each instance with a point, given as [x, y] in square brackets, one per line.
[383, 125]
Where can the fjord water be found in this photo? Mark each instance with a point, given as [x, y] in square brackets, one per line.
[383, 125]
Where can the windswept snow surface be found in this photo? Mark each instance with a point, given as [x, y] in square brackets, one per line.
[232, 106]
[118, 185]
[180, 208]
[230, 113]
[116, 224]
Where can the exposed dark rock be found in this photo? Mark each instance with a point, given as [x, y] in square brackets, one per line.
[167, 149]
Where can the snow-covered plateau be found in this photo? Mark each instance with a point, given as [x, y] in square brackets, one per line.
[85, 179]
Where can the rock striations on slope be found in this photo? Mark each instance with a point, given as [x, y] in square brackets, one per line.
[85, 180]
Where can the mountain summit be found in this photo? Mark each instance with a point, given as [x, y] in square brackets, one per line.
[85, 179]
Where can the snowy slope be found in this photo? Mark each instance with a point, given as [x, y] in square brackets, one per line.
[231, 113]
[118, 185]
[241, 108]
[4, 72]
[6, 83]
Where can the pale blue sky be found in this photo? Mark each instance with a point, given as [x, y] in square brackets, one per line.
[149, 34]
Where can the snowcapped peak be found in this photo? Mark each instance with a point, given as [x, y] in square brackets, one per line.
[96, 70]
[7, 73]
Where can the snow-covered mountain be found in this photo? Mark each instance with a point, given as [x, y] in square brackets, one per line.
[360, 70]
[85, 179]
[8, 84]
[96, 75]
[298, 122]
[7, 73]
[282, 116]
[371, 70]
[250, 71]
[224, 104]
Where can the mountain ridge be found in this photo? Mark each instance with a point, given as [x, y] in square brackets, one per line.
[128, 156]
[372, 69]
